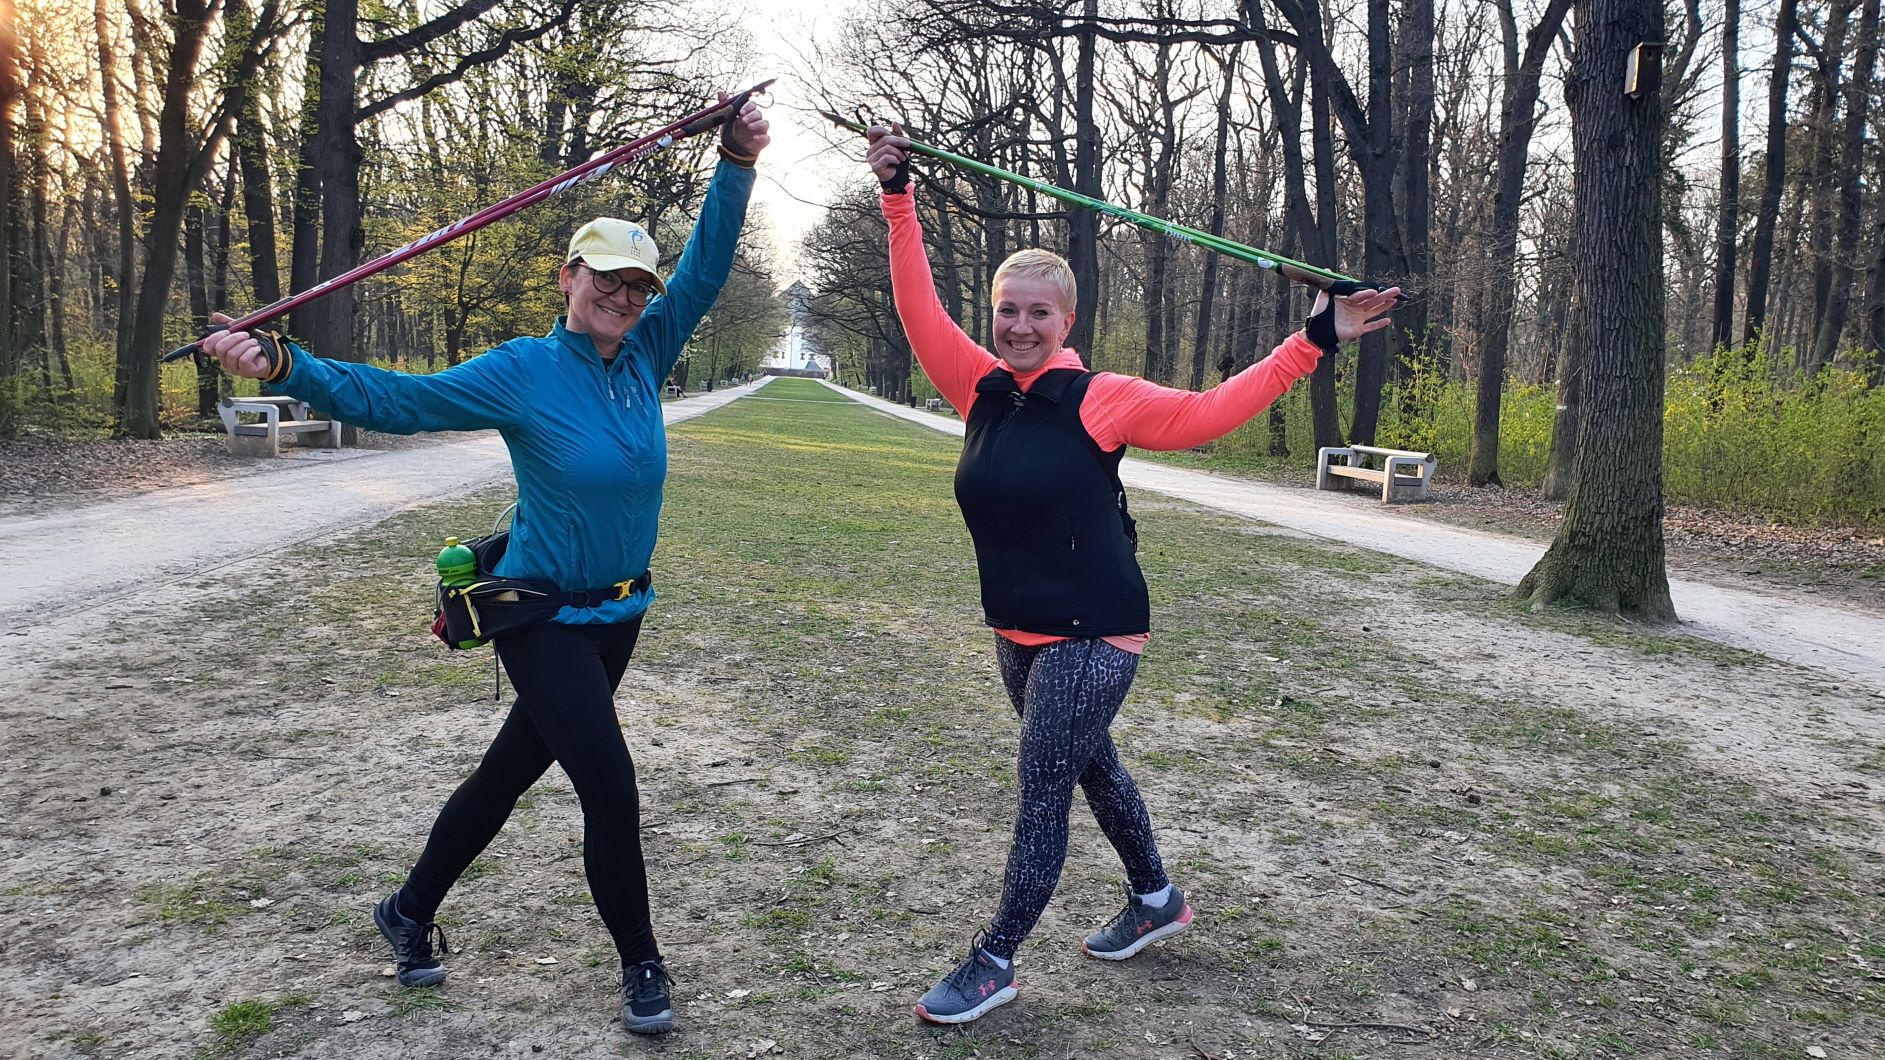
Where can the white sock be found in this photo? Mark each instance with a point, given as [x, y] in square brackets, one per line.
[1158, 898]
[1000, 962]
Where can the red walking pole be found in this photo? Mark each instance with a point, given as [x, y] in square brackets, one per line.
[698, 122]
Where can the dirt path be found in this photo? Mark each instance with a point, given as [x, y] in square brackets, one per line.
[1846, 641]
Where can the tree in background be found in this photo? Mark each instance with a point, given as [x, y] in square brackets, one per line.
[1609, 550]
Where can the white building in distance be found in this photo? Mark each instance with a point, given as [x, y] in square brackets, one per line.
[792, 354]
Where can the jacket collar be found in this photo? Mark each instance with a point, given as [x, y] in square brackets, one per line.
[1050, 383]
[1050, 380]
[580, 344]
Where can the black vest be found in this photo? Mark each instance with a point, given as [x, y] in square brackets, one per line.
[1043, 502]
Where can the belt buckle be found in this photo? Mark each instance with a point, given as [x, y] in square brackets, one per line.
[624, 589]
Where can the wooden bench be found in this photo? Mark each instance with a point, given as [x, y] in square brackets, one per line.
[281, 416]
[1402, 471]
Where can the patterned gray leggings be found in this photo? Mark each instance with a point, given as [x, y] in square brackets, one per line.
[1067, 694]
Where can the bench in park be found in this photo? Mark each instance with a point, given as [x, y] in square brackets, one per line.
[933, 404]
[281, 416]
[1402, 471]
[672, 391]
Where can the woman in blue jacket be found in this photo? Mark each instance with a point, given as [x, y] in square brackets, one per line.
[580, 410]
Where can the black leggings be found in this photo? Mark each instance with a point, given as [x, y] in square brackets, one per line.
[565, 678]
[1067, 694]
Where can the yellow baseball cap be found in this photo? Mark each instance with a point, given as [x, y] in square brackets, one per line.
[608, 244]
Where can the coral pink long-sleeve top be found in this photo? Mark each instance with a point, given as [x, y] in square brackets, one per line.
[1119, 410]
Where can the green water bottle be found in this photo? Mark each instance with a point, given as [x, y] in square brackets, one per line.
[457, 565]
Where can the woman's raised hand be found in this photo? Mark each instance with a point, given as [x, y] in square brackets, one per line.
[889, 153]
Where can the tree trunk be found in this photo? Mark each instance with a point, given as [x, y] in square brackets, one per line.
[1517, 119]
[1875, 287]
[121, 396]
[1564, 427]
[304, 256]
[46, 328]
[1207, 296]
[1761, 253]
[1083, 226]
[1823, 177]
[9, 98]
[1160, 144]
[1852, 161]
[1281, 325]
[55, 302]
[172, 178]
[258, 191]
[1324, 411]
[213, 384]
[1412, 335]
[1377, 164]
[337, 161]
[194, 280]
[1609, 551]
[1728, 212]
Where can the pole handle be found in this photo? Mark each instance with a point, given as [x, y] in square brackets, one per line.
[726, 112]
[187, 349]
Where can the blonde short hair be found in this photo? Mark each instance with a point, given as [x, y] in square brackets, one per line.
[1042, 265]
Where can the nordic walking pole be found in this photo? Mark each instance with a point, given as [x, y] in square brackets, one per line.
[1301, 272]
[698, 122]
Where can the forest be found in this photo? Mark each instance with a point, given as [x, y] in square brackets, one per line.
[165, 158]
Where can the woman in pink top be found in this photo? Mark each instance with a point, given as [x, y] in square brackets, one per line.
[1038, 483]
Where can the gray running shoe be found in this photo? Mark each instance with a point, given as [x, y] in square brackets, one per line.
[412, 944]
[1138, 926]
[975, 988]
[645, 1005]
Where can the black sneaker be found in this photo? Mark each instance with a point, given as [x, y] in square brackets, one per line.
[645, 1005]
[412, 944]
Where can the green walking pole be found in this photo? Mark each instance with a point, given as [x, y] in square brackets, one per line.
[1301, 272]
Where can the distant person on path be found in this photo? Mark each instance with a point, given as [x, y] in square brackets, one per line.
[1038, 484]
[580, 410]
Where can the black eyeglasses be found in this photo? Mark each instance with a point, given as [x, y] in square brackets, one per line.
[639, 292]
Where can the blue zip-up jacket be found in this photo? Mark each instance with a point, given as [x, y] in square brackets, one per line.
[585, 436]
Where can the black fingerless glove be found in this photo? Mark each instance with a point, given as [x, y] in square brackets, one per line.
[1320, 327]
[899, 181]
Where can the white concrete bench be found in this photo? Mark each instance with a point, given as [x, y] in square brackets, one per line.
[672, 391]
[933, 404]
[281, 416]
[1402, 472]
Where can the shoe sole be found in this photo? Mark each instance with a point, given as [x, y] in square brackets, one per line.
[659, 1024]
[996, 1000]
[429, 977]
[1176, 927]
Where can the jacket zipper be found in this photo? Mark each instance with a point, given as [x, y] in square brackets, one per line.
[1019, 399]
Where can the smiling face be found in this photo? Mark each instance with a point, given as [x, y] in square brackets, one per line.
[1032, 320]
[605, 318]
